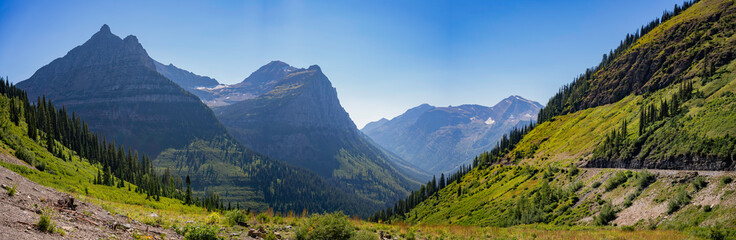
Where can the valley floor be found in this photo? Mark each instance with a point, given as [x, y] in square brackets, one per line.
[19, 214]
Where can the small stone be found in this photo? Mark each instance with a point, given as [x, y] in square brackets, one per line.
[252, 233]
[153, 215]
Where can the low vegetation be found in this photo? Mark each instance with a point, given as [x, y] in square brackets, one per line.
[12, 190]
[325, 227]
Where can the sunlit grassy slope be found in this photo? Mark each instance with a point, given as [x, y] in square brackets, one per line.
[571, 138]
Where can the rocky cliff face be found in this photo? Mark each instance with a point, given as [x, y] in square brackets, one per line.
[440, 139]
[113, 84]
[300, 120]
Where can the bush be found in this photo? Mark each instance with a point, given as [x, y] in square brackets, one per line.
[328, 226]
[26, 155]
[643, 179]
[277, 220]
[617, 179]
[12, 190]
[236, 217]
[606, 215]
[726, 180]
[45, 224]
[213, 218]
[596, 184]
[573, 170]
[681, 199]
[201, 233]
[41, 166]
[364, 235]
[699, 183]
[263, 218]
[270, 236]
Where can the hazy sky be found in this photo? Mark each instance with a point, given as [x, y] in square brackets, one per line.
[382, 56]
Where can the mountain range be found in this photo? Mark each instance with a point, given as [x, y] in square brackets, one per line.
[118, 90]
[441, 139]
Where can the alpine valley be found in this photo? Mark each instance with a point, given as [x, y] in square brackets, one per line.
[107, 143]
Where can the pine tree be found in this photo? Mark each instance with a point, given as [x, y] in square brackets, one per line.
[188, 198]
[442, 181]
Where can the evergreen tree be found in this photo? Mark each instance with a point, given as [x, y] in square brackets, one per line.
[188, 198]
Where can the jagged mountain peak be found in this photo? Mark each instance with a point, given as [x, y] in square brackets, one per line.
[114, 85]
[105, 29]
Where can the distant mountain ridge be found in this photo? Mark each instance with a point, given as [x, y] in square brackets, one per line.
[440, 139]
[298, 118]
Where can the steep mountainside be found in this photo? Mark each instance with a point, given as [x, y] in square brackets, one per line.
[440, 139]
[300, 120]
[186, 79]
[683, 119]
[685, 122]
[113, 85]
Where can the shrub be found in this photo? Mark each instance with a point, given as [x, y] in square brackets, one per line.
[277, 220]
[45, 224]
[596, 184]
[617, 179]
[628, 228]
[270, 236]
[643, 179]
[236, 217]
[364, 235]
[573, 170]
[681, 199]
[201, 233]
[606, 215]
[12, 190]
[213, 218]
[726, 180]
[262, 218]
[328, 226]
[41, 166]
[26, 155]
[699, 183]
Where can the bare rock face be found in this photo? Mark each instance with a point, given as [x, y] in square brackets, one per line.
[441, 139]
[113, 84]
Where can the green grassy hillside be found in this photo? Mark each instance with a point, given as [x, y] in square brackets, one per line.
[677, 116]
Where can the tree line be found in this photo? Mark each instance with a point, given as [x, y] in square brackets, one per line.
[428, 190]
[495, 155]
[53, 127]
[570, 97]
[504, 146]
[617, 143]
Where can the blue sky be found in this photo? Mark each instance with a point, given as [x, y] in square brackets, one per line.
[382, 56]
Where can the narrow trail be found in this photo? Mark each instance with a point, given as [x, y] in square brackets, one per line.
[668, 172]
